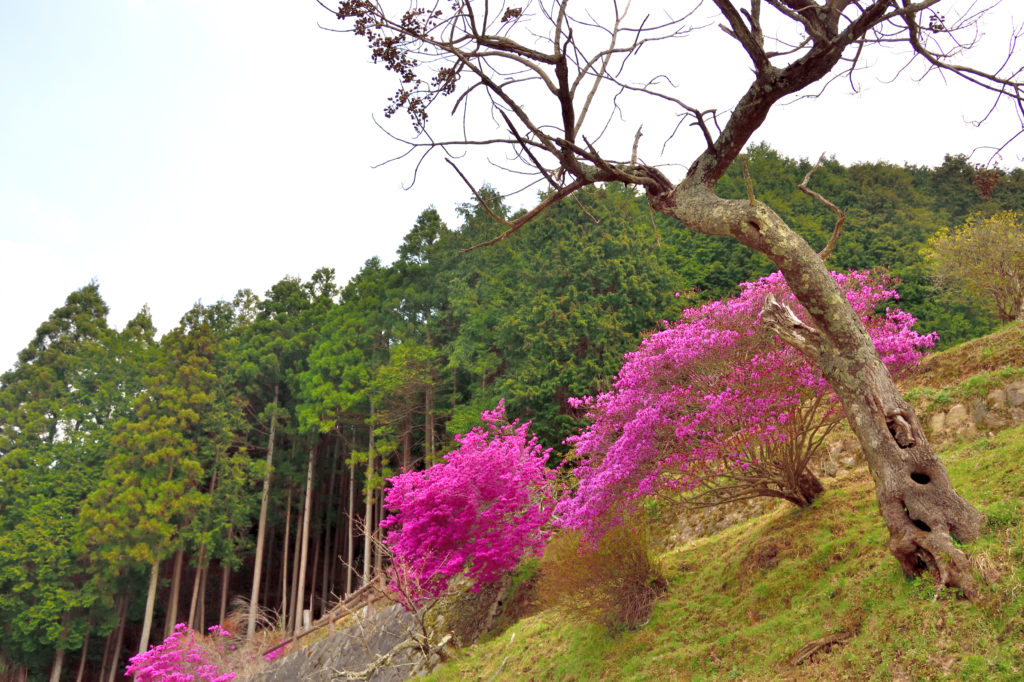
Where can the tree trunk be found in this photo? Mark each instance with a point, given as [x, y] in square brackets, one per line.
[115, 654]
[196, 582]
[175, 596]
[225, 584]
[406, 442]
[349, 545]
[284, 558]
[428, 407]
[300, 599]
[296, 549]
[920, 508]
[368, 517]
[58, 665]
[328, 535]
[147, 619]
[261, 532]
[82, 660]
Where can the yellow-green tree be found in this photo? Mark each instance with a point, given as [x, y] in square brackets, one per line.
[984, 258]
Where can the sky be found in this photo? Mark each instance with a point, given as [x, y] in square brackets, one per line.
[178, 151]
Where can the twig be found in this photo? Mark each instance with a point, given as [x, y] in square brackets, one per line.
[749, 182]
[840, 214]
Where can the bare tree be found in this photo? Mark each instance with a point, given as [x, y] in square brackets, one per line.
[554, 78]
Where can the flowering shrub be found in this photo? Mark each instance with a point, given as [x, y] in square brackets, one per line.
[716, 409]
[182, 657]
[477, 512]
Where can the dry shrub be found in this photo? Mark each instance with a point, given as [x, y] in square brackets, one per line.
[614, 584]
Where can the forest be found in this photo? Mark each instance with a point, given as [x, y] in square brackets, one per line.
[242, 459]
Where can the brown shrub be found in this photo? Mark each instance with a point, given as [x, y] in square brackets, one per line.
[614, 584]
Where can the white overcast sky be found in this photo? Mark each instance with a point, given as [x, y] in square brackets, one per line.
[179, 150]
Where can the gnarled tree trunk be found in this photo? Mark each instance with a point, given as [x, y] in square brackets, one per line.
[917, 502]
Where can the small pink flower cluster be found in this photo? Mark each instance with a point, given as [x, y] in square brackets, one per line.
[476, 513]
[180, 658]
[713, 393]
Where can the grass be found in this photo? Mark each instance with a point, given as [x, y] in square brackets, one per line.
[803, 594]
[813, 594]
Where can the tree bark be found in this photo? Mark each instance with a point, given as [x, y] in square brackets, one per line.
[115, 654]
[428, 407]
[84, 656]
[368, 516]
[196, 582]
[225, 583]
[147, 620]
[261, 532]
[917, 502]
[350, 530]
[175, 596]
[284, 558]
[300, 600]
[58, 665]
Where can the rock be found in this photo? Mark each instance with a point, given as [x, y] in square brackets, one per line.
[979, 408]
[1015, 393]
[996, 399]
[937, 422]
[957, 419]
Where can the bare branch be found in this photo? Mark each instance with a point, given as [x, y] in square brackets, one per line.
[840, 214]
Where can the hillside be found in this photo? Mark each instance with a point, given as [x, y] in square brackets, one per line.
[813, 594]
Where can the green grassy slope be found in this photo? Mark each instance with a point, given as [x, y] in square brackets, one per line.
[809, 594]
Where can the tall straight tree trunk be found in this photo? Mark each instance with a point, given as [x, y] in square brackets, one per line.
[115, 654]
[284, 557]
[378, 558]
[261, 530]
[296, 550]
[335, 558]
[225, 584]
[84, 657]
[58, 657]
[350, 545]
[406, 442]
[428, 408]
[318, 543]
[58, 665]
[300, 600]
[147, 619]
[328, 535]
[271, 537]
[368, 517]
[175, 596]
[196, 582]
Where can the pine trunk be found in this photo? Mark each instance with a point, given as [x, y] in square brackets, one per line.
[225, 585]
[115, 654]
[261, 531]
[147, 619]
[300, 599]
[82, 660]
[296, 549]
[196, 582]
[368, 517]
[58, 666]
[284, 557]
[350, 544]
[429, 436]
[174, 598]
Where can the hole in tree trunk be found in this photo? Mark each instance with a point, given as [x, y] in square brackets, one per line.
[921, 524]
[923, 479]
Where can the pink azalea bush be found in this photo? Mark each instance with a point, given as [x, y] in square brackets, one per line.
[714, 403]
[182, 657]
[476, 513]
